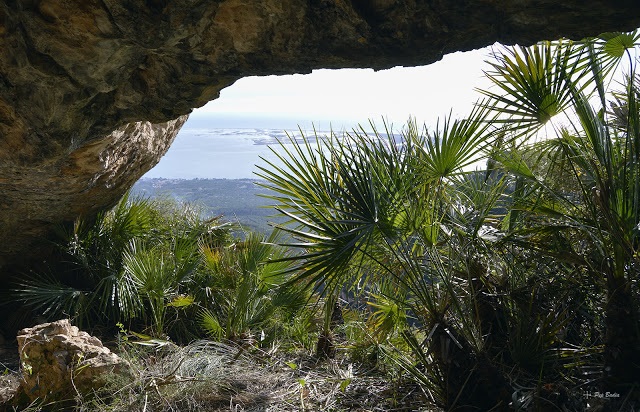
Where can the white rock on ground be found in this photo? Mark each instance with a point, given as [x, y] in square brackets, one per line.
[58, 361]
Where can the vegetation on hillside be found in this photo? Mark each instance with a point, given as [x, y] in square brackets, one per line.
[488, 264]
[235, 200]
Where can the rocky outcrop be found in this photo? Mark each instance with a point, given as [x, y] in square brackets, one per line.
[92, 92]
[58, 362]
[39, 189]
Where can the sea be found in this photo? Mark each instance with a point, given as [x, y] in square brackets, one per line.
[228, 153]
[217, 153]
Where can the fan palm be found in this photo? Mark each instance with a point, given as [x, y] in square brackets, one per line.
[369, 207]
[468, 251]
[93, 247]
[128, 264]
[239, 289]
[600, 149]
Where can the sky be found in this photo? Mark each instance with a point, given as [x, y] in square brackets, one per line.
[225, 138]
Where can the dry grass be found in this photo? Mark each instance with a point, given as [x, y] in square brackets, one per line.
[210, 376]
[207, 376]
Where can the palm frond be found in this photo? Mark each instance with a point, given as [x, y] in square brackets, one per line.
[533, 84]
[447, 151]
[53, 298]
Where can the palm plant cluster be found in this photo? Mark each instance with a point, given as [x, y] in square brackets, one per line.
[160, 270]
[493, 260]
[512, 285]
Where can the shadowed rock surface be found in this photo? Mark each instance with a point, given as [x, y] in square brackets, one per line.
[93, 92]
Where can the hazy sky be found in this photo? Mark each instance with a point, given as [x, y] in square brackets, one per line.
[349, 96]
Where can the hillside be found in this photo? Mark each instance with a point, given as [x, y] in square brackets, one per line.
[237, 200]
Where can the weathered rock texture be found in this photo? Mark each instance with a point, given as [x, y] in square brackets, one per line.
[58, 361]
[90, 89]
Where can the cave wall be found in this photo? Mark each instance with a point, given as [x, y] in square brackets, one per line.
[93, 92]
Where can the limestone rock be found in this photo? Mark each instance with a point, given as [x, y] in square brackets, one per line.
[92, 92]
[58, 361]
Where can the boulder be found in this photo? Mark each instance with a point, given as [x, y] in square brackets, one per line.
[58, 362]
